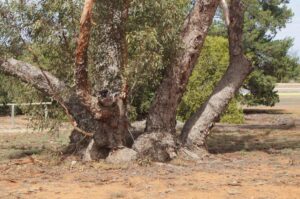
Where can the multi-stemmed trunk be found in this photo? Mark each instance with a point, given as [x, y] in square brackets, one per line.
[107, 126]
[162, 113]
[100, 122]
[161, 121]
[198, 126]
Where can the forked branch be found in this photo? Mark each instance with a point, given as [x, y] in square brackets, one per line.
[198, 126]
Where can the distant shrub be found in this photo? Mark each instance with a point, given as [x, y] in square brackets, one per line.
[211, 66]
[233, 114]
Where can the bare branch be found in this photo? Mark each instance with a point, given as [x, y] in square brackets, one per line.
[81, 60]
[44, 82]
[33, 75]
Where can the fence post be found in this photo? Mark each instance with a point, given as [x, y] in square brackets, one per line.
[13, 115]
[46, 112]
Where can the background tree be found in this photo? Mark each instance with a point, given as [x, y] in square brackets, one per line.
[269, 56]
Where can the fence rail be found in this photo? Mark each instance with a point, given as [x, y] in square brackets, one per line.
[14, 105]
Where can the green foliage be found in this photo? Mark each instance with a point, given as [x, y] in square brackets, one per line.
[153, 43]
[44, 34]
[233, 114]
[270, 58]
[261, 89]
[275, 61]
[4, 98]
[211, 66]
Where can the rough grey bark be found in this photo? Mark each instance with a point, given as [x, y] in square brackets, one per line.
[107, 129]
[198, 126]
[42, 81]
[162, 114]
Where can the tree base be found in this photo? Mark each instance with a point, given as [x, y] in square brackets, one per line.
[156, 146]
[85, 147]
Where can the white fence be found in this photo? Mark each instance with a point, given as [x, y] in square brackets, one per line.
[14, 105]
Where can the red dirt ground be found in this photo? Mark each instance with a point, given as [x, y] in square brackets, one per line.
[255, 164]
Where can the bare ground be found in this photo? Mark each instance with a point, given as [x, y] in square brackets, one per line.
[258, 162]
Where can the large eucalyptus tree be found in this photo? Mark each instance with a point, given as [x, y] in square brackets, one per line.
[105, 56]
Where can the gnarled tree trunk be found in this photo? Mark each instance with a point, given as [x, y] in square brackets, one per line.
[197, 128]
[162, 114]
[100, 123]
[107, 127]
[159, 142]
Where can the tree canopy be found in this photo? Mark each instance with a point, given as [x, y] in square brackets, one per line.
[44, 32]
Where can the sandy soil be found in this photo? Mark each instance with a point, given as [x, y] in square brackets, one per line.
[258, 163]
[234, 175]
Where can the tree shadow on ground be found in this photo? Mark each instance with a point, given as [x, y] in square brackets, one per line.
[250, 111]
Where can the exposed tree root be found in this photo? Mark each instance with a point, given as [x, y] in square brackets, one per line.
[156, 146]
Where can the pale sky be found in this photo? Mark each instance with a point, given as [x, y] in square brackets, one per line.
[293, 29]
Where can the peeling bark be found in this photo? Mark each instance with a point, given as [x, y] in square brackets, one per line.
[100, 123]
[162, 114]
[81, 59]
[81, 63]
[197, 128]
